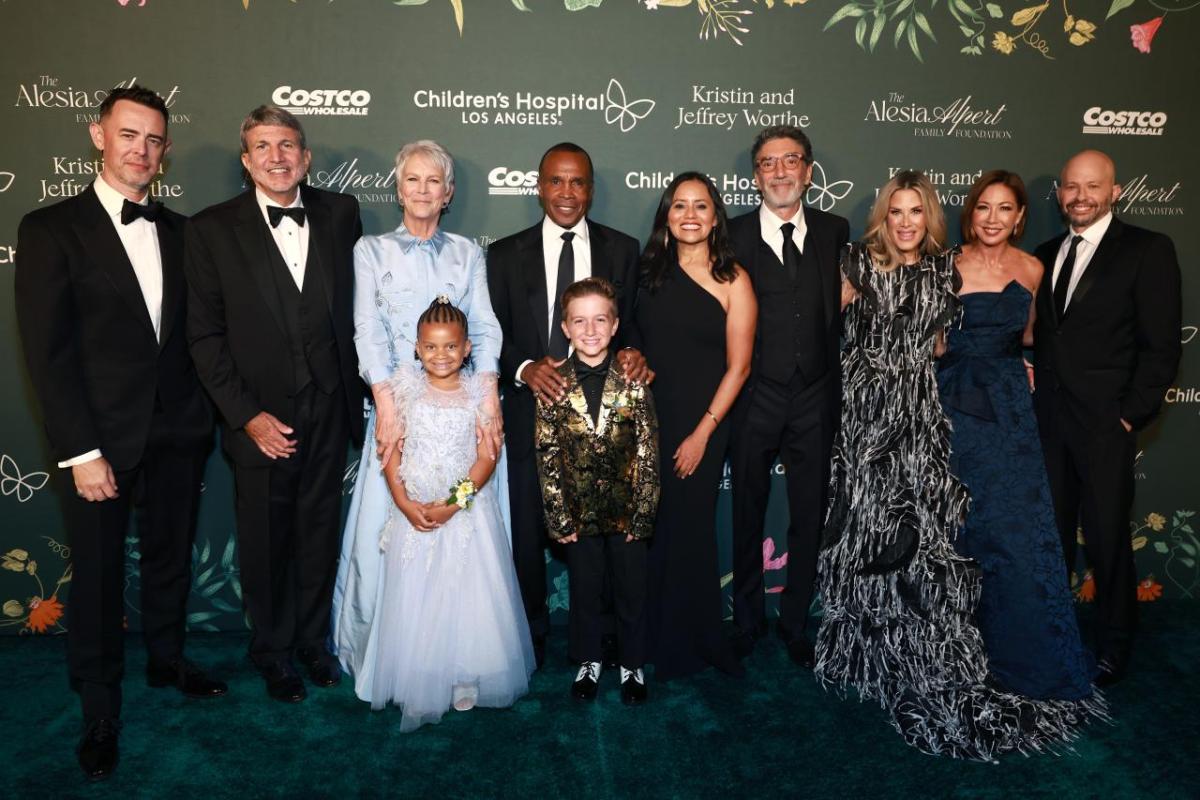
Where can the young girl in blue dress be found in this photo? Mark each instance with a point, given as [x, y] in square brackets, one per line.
[450, 629]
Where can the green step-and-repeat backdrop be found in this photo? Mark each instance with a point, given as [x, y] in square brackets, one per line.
[650, 88]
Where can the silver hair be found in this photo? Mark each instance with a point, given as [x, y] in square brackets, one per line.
[431, 150]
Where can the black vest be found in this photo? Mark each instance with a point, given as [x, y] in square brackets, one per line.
[306, 319]
[792, 333]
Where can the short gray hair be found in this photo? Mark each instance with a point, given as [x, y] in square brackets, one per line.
[431, 150]
[274, 116]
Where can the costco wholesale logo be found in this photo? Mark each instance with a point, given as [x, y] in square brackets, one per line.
[322, 102]
[505, 181]
[1124, 123]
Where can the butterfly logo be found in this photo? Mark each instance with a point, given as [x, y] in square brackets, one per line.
[620, 110]
[827, 194]
[1188, 332]
[6, 180]
[13, 482]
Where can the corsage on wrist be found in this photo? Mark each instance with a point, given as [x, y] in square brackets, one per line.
[462, 494]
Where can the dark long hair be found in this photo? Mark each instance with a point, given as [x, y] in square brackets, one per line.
[660, 253]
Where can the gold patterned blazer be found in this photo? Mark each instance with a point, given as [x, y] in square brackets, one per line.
[603, 478]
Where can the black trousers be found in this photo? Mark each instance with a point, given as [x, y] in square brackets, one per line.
[595, 563]
[164, 491]
[1091, 481]
[529, 540]
[289, 530]
[795, 423]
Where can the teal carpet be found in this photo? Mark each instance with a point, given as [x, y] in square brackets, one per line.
[774, 733]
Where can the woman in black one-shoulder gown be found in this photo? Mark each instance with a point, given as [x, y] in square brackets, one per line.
[696, 314]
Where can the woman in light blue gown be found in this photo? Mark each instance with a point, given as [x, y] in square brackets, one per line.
[397, 276]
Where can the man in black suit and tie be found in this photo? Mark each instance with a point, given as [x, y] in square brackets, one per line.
[527, 273]
[101, 303]
[1106, 349]
[789, 408]
[270, 275]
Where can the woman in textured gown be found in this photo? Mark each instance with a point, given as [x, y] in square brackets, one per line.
[899, 602]
[1026, 613]
[696, 313]
[396, 276]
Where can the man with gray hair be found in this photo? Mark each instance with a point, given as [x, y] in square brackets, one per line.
[271, 331]
[789, 407]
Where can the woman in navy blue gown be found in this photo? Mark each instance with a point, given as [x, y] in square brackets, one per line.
[1026, 613]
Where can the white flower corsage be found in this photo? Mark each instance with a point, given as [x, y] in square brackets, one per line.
[462, 494]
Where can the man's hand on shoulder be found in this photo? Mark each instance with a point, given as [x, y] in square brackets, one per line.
[543, 380]
[633, 365]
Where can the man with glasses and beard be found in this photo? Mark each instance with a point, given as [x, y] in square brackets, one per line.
[789, 408]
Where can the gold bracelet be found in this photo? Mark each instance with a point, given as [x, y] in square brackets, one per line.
[713, 416]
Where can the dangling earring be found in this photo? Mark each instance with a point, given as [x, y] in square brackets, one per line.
[667, 238]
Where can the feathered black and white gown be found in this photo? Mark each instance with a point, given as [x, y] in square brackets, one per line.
[898, 600]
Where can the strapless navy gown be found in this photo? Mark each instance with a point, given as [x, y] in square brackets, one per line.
[1026, 613]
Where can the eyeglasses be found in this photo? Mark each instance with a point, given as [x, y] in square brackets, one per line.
[790, 161]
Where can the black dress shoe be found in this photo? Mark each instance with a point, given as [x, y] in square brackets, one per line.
[98, 752]
[184, 676]
[1108, 671]
[610, 655]
[587, 681]
[743, 641]
[322, 669]
[799, 650]
[633, 687]
[283, 683]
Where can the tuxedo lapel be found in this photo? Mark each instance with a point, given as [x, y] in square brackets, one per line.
[577, 400]
[607, 398]
[320, 243]
[95, 229]
[170, 246]
[532, 263]
[600, 247]
[1101, 262]
[1045, 298]
[253, 238]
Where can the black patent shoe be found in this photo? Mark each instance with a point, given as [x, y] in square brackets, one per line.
[587, 681]
[98, 752]
[633, 687]
[185, 676]
[283, 683]
[322, 669]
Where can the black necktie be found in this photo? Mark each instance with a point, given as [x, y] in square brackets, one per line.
[276, 213]
[1064, 278]
[131, 211]
[566, 276]
[791, 253]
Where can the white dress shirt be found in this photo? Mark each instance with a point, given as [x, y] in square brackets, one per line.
[1083, 252]
[290, 237]
[140, 240]
[770, 225]
[552, 245]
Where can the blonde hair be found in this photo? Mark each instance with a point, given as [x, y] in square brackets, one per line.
[883, 250]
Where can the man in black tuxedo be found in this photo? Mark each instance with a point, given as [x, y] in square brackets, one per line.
[789, 408]
[527, 273]
[101, 303]
[270, 275]
[1106, 349]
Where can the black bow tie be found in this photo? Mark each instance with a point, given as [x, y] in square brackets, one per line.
[149, 212]
[582, 370]
[276, 213]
